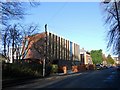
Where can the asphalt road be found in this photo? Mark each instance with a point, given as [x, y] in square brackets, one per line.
[107, 78]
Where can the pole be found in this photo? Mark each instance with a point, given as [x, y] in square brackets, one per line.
[45, 54]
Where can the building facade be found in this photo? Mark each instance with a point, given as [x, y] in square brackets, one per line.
[54, 49]
[104, 62]
[85, 57]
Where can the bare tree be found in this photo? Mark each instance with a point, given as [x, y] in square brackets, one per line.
[112, 20]
[15, 37]
[14, 10]
[11, 34]
[4, 38]
[27, 32]
[11, 10]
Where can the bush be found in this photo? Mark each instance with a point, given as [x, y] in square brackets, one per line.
[15, 70]
[54, 68]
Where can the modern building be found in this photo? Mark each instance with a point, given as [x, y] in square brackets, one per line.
[54, 49]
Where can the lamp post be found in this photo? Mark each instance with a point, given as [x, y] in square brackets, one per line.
[45, 54]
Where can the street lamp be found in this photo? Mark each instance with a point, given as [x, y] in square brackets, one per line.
[45, 54]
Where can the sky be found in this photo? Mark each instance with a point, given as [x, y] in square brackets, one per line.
[80, 22]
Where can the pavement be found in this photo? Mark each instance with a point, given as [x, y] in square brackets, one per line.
[49, 79]
[42, 83]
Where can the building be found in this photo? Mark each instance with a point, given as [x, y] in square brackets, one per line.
[117, 60]
[104, 62]
[54, 49]
[85, 57]
[17, 54]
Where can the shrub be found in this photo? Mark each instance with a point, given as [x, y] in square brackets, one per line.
[15, 70]
[54, 68]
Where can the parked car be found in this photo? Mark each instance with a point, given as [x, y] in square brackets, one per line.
[98, 66]
[105, 67]
[118, 68]
[111, 66]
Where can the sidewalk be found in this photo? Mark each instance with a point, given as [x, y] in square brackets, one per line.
[25, 80]
[42, 81]
[61, 74]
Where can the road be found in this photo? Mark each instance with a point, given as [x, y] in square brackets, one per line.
[107, 78]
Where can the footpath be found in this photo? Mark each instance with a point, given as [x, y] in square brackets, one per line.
[41, 82]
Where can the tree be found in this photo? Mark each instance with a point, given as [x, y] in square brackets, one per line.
[110, 60]
[96, 56]
[15, 38]
[112, 20]
[26, 41]
[4, 38]
[13, 11]
[12, 34]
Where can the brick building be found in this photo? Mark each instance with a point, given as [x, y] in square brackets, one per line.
[85, 57]
[56, 50]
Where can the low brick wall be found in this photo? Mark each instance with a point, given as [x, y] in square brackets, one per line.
[75, 68]
[62, 69]
[91, 67]
[83, 67]
[79, 68]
